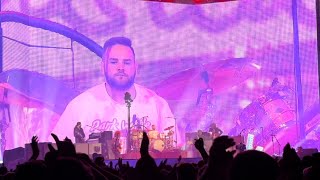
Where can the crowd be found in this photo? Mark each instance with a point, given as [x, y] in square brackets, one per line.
[64, 163]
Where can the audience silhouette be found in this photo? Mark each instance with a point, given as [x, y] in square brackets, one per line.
[222, 164]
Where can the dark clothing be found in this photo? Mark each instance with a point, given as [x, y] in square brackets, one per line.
[79, 135]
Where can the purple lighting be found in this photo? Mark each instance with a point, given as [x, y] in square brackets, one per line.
[212, 63]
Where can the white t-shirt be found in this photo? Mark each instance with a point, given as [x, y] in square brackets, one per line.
[98, 112]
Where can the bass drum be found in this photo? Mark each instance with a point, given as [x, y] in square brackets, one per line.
[158, 145]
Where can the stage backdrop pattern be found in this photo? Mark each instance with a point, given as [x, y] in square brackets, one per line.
[168, 38]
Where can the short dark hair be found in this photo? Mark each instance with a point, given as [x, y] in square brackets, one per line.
[118, 40]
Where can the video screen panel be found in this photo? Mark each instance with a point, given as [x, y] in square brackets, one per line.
[213, 63]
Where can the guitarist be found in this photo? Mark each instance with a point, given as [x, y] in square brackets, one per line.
[116, 145]
[215, 131]
[78, 133]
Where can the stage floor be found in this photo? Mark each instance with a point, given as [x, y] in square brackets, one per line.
[170, 161]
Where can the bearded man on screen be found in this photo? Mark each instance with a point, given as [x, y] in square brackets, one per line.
[103, 108]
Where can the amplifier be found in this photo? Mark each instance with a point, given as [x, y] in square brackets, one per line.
[82, 148]
[94, 135]
[94, 148]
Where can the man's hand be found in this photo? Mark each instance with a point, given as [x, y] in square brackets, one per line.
[163, 164]
[35, 148]
[221, 143]
[65, 148]
[199, 144]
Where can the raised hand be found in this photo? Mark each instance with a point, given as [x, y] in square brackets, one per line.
[221, 143]
[179, 159]
[122, 167]
[144, 148]
[119, 164]
[51, 148]
[65, 148]
[199, 144]
[220, 160]
[111, 164]
[35, 148]
[163, 164]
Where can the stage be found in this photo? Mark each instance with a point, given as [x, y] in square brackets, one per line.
[170, 161]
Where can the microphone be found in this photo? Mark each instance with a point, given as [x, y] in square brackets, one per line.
[127, 97]
[134, 119]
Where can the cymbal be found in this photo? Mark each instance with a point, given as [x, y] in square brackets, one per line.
[168, 128]
[26, 88]
[218, 76]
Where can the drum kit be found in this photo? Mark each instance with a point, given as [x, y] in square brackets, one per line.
[159, 142]
[266, 115]
[266, 118]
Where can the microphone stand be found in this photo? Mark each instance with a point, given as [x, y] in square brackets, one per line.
[279, 145]
[128, 102]
[144, 118]
[272, 136]
[175, 128]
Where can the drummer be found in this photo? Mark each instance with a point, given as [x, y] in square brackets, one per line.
[153, 134]
[277, 90]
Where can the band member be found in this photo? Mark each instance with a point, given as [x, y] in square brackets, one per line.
[216, 132]
[277, 90]
[78, 133]
[153, 133]
[199, 134]
[116, 148]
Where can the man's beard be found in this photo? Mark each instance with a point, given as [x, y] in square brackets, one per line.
[120, 86]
